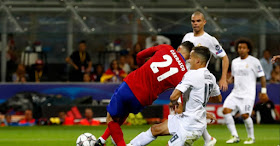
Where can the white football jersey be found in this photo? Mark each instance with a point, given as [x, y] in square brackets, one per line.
[245, 72]
[197, 86]
[208, 41]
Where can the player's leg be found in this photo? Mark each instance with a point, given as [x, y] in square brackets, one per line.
[246, 115]
[230, 104]
[116, 109]
[120, 121]
[208, 139]
[184, 138]
[151, 134]
[107, 132]
[115, 129]
[181, 136]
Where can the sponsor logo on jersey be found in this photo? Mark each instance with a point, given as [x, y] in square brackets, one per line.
[259, 69]
[218, 49]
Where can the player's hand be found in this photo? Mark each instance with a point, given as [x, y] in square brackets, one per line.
[275, 58]
[173, 105]
[223, 85]
[211, 116]
[177, 109]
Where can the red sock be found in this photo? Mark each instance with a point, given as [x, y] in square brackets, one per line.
[116, 133]
[106, 134]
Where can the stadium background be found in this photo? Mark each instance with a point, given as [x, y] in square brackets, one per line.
[110, 26]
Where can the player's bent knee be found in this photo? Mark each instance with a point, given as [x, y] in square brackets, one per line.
[156, 130]
[245, 116]
[109, 118]
[227, 111]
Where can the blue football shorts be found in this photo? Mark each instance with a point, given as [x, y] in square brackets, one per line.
[123, 102]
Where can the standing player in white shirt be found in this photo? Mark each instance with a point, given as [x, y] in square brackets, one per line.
[197, 85]
[245, 70]
[201, 38]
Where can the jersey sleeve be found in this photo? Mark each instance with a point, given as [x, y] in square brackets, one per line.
[232, 68]
[215, 91]
[216, 49]
[185, 38]
[141, 56]
[258, 70]
[185, 83]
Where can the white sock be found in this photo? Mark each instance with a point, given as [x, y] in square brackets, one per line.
[143, 138]
[230, 124]
[249, 127]
[206, 136]
[102, 140]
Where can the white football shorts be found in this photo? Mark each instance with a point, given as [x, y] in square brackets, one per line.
[181, 136]
[243, 105]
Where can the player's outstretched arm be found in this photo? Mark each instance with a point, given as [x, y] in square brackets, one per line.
[263, 85]
[149, 52]
[176, 105]
[275, 58]
[223, 81]
[174, 97]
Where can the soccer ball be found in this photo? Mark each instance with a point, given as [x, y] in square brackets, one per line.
[86, 139]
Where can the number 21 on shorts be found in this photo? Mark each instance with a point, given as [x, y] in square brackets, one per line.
[155, 65]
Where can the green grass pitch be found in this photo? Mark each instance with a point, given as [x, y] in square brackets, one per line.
[266, 135]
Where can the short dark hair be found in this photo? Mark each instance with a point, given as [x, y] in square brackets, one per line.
[202, 52]
[198, 13]
[82, 42]
[246, 41]
[187, 45]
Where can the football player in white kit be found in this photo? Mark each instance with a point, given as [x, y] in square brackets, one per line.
[197, 85]
[245, 70]
[201, 38]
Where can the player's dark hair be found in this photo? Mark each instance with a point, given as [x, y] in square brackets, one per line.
[246, 41]
[202, 52]
[187, 45]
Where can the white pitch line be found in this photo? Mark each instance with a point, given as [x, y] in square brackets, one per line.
[37, 139]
